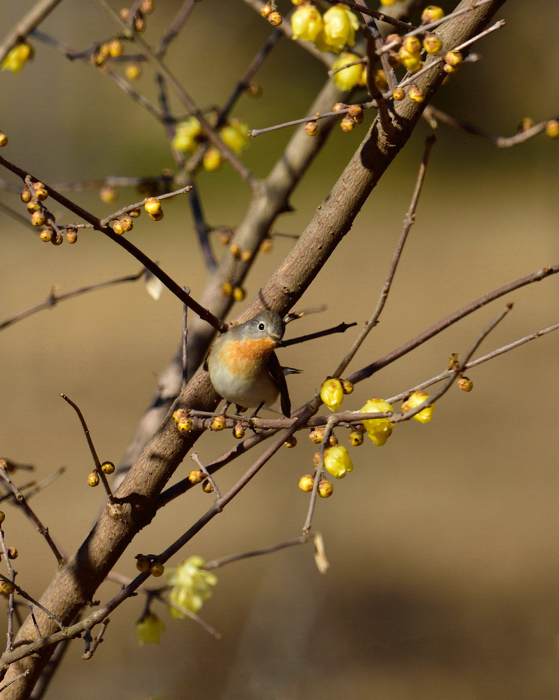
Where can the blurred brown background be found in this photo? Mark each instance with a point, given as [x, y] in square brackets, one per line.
[443, 545]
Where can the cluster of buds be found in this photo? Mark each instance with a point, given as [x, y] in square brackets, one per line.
[33, 197]
[145, 563]
[189, 136]
[329, 32]
[269, 12]
[107, 50]
[325, 488]
[18, 57]
[182, 418]
[146, 7]
[123, 224]
[233, 290]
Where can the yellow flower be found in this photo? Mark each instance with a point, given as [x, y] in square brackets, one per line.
[18, 57]
[378, 429]
[349, 77]
[235, 135]
[212, 159]
[191, 585]
[332, 393]
[415, 400]
[340, 25]
[186, 135]
[306, 23]
[337, 461]
[149, 629]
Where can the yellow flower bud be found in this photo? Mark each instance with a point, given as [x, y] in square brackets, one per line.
[227, 289]
[46, 235]
[291, 441]
[432, 43]
[184, 426]
[552, 129]
[207, 486]
[380, 80]
[3, 139]
[453, 58]
[411, 61]
[332, 393]
[337, 461]
[7, 587]
[187, 135]
[347, 386]
[378, 429]
[157, 570]
[316, 435]
[306, 23]
[18, 57]
[238, 431]
[238, 293]
[275, 19]
[416, 94]
[133, 71]
[212, 159]
[387, 2]
[108, 467]
[349, 77]
[196, 476]
[355, 438]
[411, 44]
[71, 236]
[149, 629]
[398, 94]
[311, 127]
[465, 384]
[152, 206]
[235, 135]
[38, 218]
[306, 483]
[116, 48]
[108, 194]
[325, 488]
[431, 14]
[347, 124]
[266, 10]
[93, 479]
[415, 400]
[218, 423]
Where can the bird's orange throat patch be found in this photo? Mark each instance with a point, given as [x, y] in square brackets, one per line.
[246, 356]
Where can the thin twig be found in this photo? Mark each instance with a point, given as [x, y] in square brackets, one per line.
[409, 220]
[92, 648]
[405, 26]
[137, 205]
[54, 299]
[499, 141]
[216, 563]
[474, 363]
[188, 103]
[9, 683]
[146, 261]
[425, 28]
[175, 27]
[207, 474]
[96, 461]
[33, 491]
[398, 418]
[185, 340]
[340, 328]
[11, 579]
[36, 603]
[440, 59]
[20, 499]
[26, 25]
[304, 120]
[440, 326]
[318, 473]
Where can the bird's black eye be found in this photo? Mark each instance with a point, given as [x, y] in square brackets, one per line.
[261, 326]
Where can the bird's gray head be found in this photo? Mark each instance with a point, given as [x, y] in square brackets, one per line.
[264, 324]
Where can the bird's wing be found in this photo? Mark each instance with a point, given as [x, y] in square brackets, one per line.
[276, 373]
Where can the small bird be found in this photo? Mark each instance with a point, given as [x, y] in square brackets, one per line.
[243, 367]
